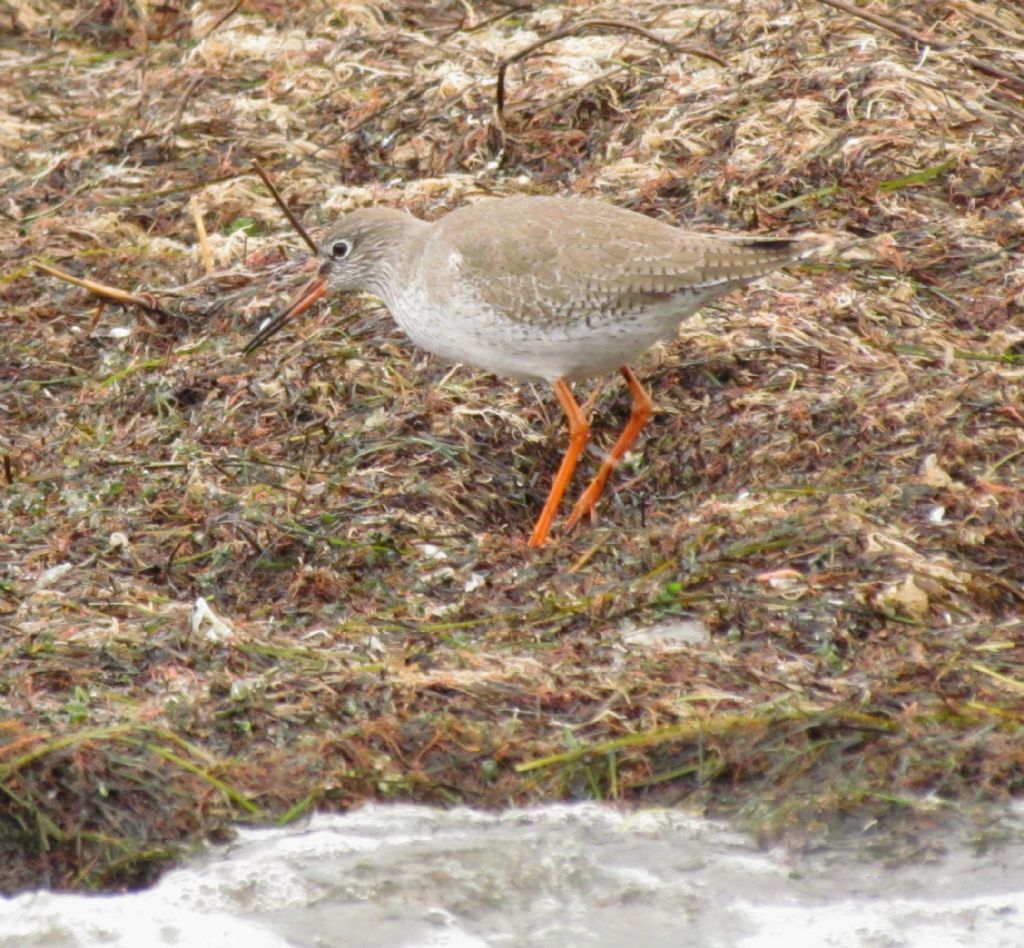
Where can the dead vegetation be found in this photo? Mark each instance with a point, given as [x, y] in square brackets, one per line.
[236, 589]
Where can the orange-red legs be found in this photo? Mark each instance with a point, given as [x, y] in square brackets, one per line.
[638, 417]
[579, 432]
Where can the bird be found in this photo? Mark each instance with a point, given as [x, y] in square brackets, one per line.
[539, 288]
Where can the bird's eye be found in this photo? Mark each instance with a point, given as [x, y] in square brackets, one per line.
[340, 249]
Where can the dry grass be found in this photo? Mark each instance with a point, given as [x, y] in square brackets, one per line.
[831, 486]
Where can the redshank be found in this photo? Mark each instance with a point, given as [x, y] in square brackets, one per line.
[539, 288]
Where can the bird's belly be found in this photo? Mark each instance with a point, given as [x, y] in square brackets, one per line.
[572, 348]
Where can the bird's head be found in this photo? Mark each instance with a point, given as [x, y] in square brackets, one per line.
[358, 253]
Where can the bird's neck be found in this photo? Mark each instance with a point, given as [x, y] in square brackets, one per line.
[401, 242]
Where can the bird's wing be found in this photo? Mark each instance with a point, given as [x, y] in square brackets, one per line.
[545, 260]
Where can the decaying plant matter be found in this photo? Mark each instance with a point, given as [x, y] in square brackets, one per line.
[237, 589]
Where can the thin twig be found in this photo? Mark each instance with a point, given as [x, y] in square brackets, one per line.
[292, 219]
[137, 197]
[508, 11]
[230, 12]
[390, 105]
[204, 242]
[147, 302]
[908, 34]
[194, 83]
[886, 24]
[586, 25]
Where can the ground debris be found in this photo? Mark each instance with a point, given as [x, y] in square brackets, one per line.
[238, 589]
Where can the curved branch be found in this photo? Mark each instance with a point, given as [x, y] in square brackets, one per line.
[579, 27]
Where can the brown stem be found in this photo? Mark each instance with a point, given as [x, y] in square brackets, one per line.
[292, 219]
[574, 28]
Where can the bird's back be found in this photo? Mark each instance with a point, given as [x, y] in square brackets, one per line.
[568, 287]
[547, 260]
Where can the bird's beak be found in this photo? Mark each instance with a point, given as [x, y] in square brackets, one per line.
[308, 295]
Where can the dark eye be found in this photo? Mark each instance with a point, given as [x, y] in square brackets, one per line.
[340, 249]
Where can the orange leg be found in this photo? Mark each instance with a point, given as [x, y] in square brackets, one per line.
[579, 431]
[642, 406]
